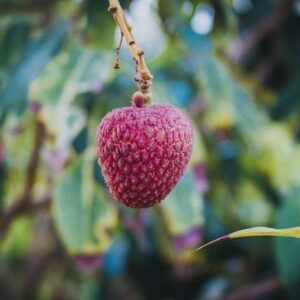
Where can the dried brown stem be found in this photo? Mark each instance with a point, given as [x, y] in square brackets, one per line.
[117, 61]
[144, 77]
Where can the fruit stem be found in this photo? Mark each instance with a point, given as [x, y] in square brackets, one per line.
[144, 77]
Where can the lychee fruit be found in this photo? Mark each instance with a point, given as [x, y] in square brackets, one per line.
[143, 151]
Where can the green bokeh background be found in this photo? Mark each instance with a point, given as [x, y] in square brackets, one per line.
[233, 66]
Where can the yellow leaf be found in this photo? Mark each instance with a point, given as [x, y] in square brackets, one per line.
[257, 231]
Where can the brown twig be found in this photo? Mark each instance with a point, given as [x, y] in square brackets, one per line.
[144, 77]
[34, 160]
[25, 202]
[117, 61]
[18, 208]
[21, 207]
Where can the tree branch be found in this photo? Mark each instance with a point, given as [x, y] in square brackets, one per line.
[26, 203]
[34, 160]
[19, 208]
[144, 77]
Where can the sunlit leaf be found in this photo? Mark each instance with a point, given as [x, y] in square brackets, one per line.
[19, 238]
[293, 232]
[83, 216]
[198, 153]
[68, 75]
[72, 72]
[274, 154]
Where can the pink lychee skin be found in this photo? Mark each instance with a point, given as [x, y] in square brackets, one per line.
[143, 152]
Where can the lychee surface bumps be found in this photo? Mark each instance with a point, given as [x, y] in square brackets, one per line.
[143, 152]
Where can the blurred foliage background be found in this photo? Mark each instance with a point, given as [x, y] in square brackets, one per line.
[233, 66]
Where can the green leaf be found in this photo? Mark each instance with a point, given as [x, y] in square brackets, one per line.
[293, 232]
[228, 103]
[19, 238]
[37, 54]
[198, 153]
[83, 216]
[72, 72]
[288, 100]
[288, 250]
[183, 208]
[18, 137]
[273, 152]
[100, 25]
[245, 206]
[14, 41]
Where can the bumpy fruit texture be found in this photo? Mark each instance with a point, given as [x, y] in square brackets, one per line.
[143, 151]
